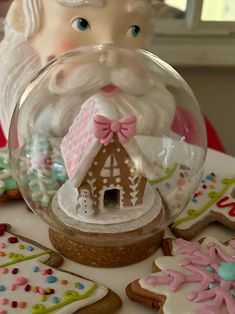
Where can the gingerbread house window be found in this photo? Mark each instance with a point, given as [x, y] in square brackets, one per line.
[112, 198]
[111, 168]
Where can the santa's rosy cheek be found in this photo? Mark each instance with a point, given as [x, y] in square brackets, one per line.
[65, 46]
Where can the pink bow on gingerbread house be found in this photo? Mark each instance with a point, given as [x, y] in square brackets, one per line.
[104, 129]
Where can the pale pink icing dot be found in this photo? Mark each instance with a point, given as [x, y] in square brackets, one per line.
[4, 271]
[13, 287]
[2, 245]
[44, 272]
[4, 301]
[41, 291]
[21, 281]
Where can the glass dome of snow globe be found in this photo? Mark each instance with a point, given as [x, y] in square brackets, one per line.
[107, 145]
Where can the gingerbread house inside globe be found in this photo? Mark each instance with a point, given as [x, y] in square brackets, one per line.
[105, 163]
[107, 141]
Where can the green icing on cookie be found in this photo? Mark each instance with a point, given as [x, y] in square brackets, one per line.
[4, 158]
[18, 258]
[6, 180]
[70, 297]
[10, 184]
[214, 196]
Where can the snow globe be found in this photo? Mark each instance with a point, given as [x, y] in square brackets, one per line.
[107, 145]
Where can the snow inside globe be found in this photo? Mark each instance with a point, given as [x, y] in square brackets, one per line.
[107, 146]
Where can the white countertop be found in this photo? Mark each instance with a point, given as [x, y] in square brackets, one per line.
[31, 226]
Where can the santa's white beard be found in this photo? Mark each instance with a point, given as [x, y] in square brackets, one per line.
[147, 99]
[18, 65]
[91, 76]
[154, 112]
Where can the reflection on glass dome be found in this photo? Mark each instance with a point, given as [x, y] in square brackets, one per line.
[107, 140]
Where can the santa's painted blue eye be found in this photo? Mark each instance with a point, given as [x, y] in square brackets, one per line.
[134, 30]
[80, 24]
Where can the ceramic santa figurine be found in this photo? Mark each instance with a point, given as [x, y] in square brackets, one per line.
[101, 115]
[36, 31]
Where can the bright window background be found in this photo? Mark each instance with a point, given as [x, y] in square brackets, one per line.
[218, 10]
[212, 10]
[179, 4]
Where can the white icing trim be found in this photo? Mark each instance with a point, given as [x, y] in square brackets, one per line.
[110, 187]
[134, 188]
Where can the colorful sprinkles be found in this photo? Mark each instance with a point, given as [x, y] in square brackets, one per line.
[215, 198]
[53, 290]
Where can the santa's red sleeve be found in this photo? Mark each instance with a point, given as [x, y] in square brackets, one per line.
[3, 141]
[213, 139]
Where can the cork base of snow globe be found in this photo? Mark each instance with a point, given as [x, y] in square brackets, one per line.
[106, 256]
[113, 238]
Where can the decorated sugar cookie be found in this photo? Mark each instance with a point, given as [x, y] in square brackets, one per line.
[214, 200]
[8, 186]
[198, 278]
[29, 283]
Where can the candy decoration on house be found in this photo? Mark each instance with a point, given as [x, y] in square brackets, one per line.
[107, 113]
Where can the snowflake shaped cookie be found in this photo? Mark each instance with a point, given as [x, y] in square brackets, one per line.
[199, 278]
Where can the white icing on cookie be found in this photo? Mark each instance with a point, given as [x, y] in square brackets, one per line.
[179, 299]
[28, 285]
[214, 195]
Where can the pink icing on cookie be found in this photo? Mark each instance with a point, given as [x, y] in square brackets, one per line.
[186, 247]
[4, 301]
[13, 287]
[213, 272]
[42, 291]
[4, 271]
[21, 281]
